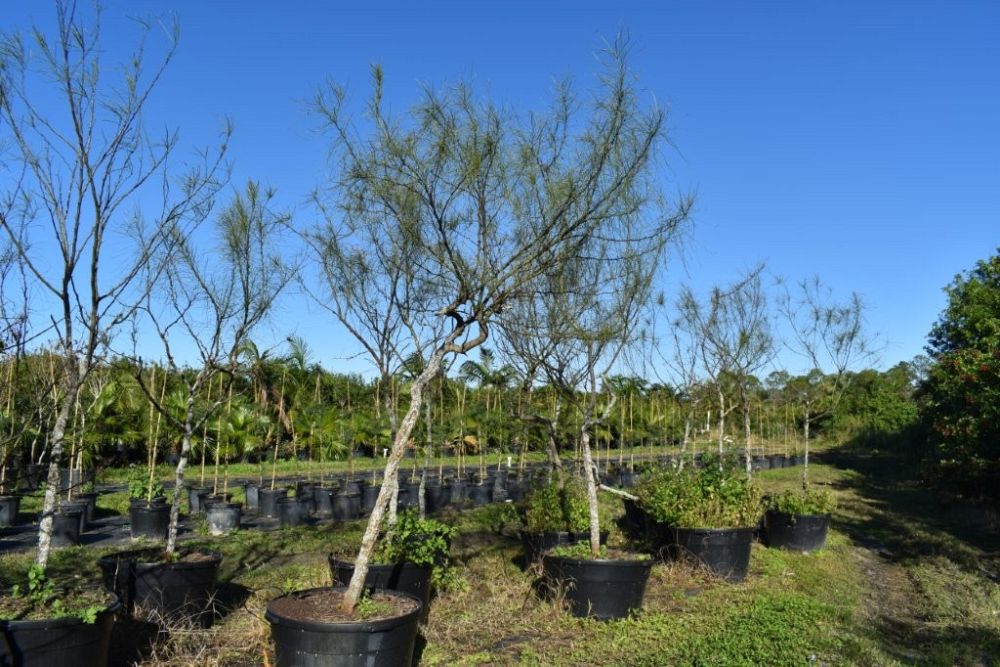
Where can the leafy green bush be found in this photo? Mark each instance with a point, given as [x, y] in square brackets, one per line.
[558, 508]
[138, 484]
[581, 551]
[701, 498]
[811, 501]
[422, 542]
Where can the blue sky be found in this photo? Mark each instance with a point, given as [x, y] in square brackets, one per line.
[857, 141]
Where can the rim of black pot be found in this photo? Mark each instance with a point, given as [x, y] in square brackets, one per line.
[65, 621]
[224, 506]
[613, 562]
[149, 556]
[712, 530]
[344, 626]
[800, 516]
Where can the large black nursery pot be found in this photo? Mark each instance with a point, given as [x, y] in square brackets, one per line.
[269, 501]
[796, 532]
[405, 577]
[603, 589]
[346, 506]
[536, 544]
[323, 500]
[90, 498]
[369, 495]
[304, 642]
[725, 551]
[292, 511]
[62, 642]
[170, 589]
[66, 527]
[73, 506]
[196, 496]
[9, 507]
[252, 493]
[149, 521]
[480, 494]
[223, 518]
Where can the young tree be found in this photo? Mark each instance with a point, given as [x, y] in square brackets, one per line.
[830, 335]
[210, 307]
[487, 203]
[89, 195]
[736, 340]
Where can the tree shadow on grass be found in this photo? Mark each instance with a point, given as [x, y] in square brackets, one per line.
[908, 530]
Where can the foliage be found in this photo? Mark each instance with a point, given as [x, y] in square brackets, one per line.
[707, 497]
[416, 540]
[581, 551]
[960, 402]
[558, 507]
[811, 501]
[139, 484]
[40, 598]
[369, 607]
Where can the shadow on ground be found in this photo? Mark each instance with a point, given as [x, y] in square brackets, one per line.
[932, 567]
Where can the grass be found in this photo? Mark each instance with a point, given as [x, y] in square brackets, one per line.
[902, 580]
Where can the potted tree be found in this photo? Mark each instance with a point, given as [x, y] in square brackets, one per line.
[44, 624]
[555, 514]
[706, 514]
[798, 519]
[411, 556]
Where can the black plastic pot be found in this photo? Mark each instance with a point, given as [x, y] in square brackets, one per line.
[384, 643]
[633, 522]
[725, 551]
[151, 521]
[292, 512]
[168, 589]
[796, 532]
[405, 577]
[252, 493]
[536, 544]
[74, 505]
[346, 506]
[458, 492]
[777, 461]
[480, 494]
[304, 492]
[603, 589]
[432, 496]
[63, 642]
[353, 486]
[195, 496]
[90, 498]
[269, 501]
[368, 497]
[409, 494]
[323, 501]
[66, 527]
[9, 507]
[223, 518]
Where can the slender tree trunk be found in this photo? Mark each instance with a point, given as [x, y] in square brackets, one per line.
[590, 473]
[356, 585]
[72, 383]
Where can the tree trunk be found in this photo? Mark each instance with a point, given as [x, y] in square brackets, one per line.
[356, 585]
[175, 503]
[52, 479]
[590, 472]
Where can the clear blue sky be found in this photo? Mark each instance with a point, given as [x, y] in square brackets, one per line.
[859, 141]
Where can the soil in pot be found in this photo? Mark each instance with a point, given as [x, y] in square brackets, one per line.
[9, 507]
[404, 577]
[66, 642]
[796, 532]
[269, 501]
[150, 521]
[166, 588]
[724, 551]
[223, 518]
[602, 588]
[309, 630]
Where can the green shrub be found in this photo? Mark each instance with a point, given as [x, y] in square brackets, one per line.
[558, 508]
[701, 498]
[810, 501]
